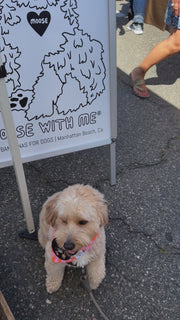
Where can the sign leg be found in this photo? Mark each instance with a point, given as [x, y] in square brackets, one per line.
[112, 147]
[15, 153]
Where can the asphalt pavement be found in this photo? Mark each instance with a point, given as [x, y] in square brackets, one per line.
[143, 235]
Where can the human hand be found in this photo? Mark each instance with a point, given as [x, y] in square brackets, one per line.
[176, 7]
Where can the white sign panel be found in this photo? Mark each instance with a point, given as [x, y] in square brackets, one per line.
[56, 54]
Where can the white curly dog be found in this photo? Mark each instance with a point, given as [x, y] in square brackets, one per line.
[72, 232]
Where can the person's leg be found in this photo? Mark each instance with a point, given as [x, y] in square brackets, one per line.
[139, 10]
[138, 20]
[130, 11]
[161, 51]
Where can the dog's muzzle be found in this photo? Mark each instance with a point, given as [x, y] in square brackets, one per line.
[61, 253]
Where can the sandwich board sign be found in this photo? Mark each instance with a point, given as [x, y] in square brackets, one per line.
[60, 59]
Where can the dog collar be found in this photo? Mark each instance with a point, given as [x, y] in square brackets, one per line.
[55, 258]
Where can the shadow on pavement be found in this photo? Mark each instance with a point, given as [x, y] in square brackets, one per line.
[167, 71]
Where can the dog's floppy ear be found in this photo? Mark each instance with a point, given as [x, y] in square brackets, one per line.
[98, 202]
[51, 210]
[102, 212]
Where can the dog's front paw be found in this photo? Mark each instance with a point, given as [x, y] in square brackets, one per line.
[96, 272]
[94, 283]
[52, 285]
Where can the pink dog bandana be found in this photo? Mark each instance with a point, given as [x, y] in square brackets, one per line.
[55, 259]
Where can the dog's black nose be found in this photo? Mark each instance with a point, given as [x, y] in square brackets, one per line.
[68, 245]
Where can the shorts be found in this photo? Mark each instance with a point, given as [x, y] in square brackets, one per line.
[170, 19]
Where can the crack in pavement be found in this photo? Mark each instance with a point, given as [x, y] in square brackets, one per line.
[164, 151]
[149, 236]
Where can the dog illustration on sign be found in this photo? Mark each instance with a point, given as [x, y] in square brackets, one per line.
[49, 70]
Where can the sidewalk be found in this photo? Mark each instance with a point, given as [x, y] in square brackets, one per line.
[143, 237]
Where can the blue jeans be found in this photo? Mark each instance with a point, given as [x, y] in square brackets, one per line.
[139, 10]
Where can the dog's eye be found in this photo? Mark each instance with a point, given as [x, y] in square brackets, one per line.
[83, 222]
[64, 221]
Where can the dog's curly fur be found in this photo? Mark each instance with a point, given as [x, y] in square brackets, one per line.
[76, 215]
